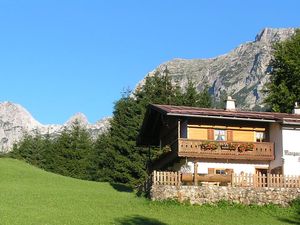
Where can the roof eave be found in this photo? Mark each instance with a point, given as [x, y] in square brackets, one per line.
[222, 117]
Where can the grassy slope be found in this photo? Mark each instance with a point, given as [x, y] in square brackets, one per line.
[31, 196]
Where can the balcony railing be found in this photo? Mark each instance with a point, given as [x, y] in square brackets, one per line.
[226, 150]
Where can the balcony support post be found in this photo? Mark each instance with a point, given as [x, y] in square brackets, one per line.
[195, 172]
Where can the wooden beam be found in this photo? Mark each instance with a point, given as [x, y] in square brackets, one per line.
[196, 173]
[178, 129]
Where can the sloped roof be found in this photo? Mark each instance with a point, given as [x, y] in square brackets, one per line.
[171, 110]
[149, 133]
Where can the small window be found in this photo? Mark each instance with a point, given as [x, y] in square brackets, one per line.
[260, 136]
[220, 171]
[219, 135]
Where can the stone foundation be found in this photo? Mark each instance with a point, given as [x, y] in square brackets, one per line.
[213, 194]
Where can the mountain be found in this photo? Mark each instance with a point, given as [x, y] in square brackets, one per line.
[15, 121]
[240, 73]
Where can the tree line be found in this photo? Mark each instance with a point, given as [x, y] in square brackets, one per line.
[114, 155]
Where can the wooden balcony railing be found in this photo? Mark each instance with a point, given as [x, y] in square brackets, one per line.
[226, 150]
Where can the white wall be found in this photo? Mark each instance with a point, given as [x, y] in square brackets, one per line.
[237, 167]
[276, 137]
[291, 143]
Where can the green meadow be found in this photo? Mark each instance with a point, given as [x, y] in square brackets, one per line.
[32, 196]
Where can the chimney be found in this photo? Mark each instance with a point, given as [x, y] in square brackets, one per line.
[230, 104]
[296, 109]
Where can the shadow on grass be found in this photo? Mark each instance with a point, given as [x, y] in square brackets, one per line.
[138, 220]
[296, 218]
[121, 187]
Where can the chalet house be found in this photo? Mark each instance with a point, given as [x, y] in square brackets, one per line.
[216, 141]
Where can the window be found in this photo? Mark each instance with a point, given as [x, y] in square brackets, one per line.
[220, 171]
[219, 135]
[260, 136]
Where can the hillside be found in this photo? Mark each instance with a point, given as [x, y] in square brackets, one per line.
[240, 73]
[32, 196]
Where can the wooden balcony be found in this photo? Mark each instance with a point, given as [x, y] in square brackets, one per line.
[263, 151]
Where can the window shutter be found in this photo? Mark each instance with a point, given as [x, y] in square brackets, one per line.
[229, 135]
[211, 170]
[210, 134]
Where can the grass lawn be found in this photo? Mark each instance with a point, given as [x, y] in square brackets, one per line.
[29, 195]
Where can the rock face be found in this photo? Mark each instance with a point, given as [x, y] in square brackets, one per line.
[15, 121]
[241, 73]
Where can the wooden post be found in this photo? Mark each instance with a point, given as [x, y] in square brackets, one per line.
[179, 129]
[179, 178]
[195, 173]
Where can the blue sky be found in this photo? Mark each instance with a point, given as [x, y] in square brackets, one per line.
[62, 57]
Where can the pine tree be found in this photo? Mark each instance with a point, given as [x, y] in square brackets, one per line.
[120, 160]
[284, 87]
[191, 97]
[72, 149]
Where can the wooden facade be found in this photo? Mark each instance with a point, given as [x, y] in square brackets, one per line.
[190, 135]
[200, 141]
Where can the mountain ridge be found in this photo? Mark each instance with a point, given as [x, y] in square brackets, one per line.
[16, 121]
[242, 72]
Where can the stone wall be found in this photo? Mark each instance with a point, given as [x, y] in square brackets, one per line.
[213, 194]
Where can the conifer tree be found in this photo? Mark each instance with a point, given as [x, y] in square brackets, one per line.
[284, 87]
[72, 149]
[191, 97]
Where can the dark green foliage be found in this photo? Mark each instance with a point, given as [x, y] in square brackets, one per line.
[191, 97]
[68, 154]
[119, 160]
[284, 87]
[72, 149]
[31, 148]
[159, 90]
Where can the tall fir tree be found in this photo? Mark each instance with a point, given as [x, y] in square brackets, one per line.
[191, 96]
[72, 149]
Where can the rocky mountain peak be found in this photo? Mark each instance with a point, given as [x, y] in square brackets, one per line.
[273, 35]
[80, 118]
[15, 113]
